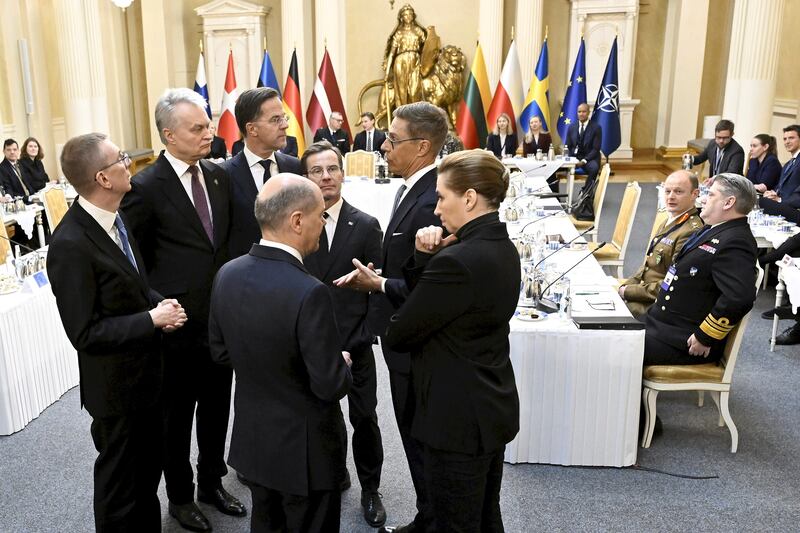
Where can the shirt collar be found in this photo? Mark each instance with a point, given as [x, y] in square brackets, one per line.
[415, 177]
[104, 218]
[282, 246]
[253, 159]
[334, 210]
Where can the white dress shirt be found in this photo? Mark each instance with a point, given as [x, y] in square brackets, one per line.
[281, 246]
[181, 168]
[256, 168]
[333, 217]
[105, 219]
[414, 178]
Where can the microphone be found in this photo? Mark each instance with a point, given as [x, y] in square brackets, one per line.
[565, 245]
[550, 306]
[526, 172]
[12, 241]
[548, 215]
[532, 193]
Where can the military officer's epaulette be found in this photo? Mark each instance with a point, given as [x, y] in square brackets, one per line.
[716, 328]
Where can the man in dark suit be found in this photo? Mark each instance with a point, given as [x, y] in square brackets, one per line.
[723, 153]
[415, 136]
[14, 178]
[334, 134]
[218, 149]
[584, 139]
[291, 146]
[371, 139]
[350, 233]
[288, 430]
[787, 192]
[114, 320]
[262, 122]
[711, 283]
[179, 211]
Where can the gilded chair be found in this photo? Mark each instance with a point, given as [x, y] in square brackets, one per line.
[613, 253]
[55, 206]
[713, 377]
[5, 246]
[599, 198]
[359, 163]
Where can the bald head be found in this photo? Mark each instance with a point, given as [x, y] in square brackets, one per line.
[289, 210]
[680, 192]
[583, 112]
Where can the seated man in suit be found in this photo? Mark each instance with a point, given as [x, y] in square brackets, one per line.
[288, 430]
[723, 154]
[680, 192]
[334, 134]
[218, 149]
[785, 199]
[263, 124]
[370, 139]
[711, 283]
[291, 146]
[350, 233]
[584, 139]
[14, 178]
[114, 320]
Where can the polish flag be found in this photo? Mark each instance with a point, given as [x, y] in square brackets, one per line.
[325, 99]
[508, 94]
[227, 128]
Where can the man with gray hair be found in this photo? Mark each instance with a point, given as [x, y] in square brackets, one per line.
[179, 211]
[288, 431]
[711, 283]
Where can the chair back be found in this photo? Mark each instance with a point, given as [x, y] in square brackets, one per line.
[734, 342]
[359, 163]
[5, 246]
[627, 213]
[600, 192]
[661, 216]
[55, 206]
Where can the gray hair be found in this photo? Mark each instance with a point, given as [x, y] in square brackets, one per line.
[272, 212]
[165, 108]
[740, 188]
[81, 159]
[425, 120]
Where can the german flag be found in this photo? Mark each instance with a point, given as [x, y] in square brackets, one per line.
[471, 121]
[293, 107]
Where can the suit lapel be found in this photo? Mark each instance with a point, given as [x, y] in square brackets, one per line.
[344, 230]
[215, 198]
[244, 175]
[176, 194]
[407, 203]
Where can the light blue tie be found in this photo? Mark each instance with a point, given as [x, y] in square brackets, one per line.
[123, 237]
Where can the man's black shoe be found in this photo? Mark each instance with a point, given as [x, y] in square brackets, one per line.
[374, 512]
[189, 516]
[789, 337]
[222, 500]
[784, 312]
[346, 483]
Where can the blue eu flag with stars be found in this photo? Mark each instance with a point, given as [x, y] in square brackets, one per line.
[576, 94]
[606, 108]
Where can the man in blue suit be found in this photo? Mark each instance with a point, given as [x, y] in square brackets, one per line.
[583, 140]
[263, 124]
[787, 193]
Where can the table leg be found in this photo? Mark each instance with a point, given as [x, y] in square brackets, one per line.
[570, 185]
[40, 229]
[778, 301]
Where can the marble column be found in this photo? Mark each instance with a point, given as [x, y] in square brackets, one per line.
[752, 66]
[490, 34]
[97, 73]
[330, 32]
[681, 76]
[158, 60]
[529, 34]
[294, 13]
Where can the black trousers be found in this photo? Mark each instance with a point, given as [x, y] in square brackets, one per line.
[280, 512]
[192, 381]
[658, 352]
[403, 401]
[362, 401]
[464, 490]
[591, 168]
[127, 471]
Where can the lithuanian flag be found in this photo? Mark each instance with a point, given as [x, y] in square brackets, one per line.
[471, 121]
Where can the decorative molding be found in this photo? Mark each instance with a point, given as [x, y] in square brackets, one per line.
[785, 107]
[222, 8]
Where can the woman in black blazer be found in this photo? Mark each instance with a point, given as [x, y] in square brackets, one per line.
[764, 169]
[31, 160]
[455, 323]
[536, 139]
[502, 142]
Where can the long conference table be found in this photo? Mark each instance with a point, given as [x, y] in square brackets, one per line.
[579, 389]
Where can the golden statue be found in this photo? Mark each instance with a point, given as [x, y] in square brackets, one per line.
[417, 68]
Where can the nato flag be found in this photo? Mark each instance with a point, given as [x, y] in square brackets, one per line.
[606, 108]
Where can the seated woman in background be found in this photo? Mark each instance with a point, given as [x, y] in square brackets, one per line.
[31, 159]
[502, 142]
[764, 169]
[535, 139]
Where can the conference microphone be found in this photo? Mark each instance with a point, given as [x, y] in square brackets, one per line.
[565, 245]
[526, 172]
[534, 221]
[548, 305]
[12, 241]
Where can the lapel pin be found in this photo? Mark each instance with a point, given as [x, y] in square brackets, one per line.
[715, 241]
[216, 182]
[692, 271]
[349, 222]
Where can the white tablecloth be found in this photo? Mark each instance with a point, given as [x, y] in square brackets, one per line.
[37, 362]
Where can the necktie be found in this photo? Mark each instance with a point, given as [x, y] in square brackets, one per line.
[715, 170]
[369, 141]
[580, 134]
[324, 247]
[787, 169]
[267, 164]
[124, 242]
[397, 198]
[200, 204]
[21, 181]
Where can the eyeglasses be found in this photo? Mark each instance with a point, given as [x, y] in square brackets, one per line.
[277, 120]
[124, 158]
[393, 141]
[318, 172]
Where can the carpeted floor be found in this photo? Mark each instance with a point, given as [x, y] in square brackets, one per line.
[46, 469]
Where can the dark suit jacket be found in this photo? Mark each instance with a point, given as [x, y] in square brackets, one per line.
[218, 148]
[243, 192]
[237, 147]
[378, 137]
[413, 213]
[588, 147]
[455, 323]
[732, 158]
[788, 187]
[10, 183]
[36, 173]
[104, 302]
[357, 235]
[545, 140]
[494, 146]
[273, 323]
[179, 258]
[338, 139]
[291, 146]
[767, 171]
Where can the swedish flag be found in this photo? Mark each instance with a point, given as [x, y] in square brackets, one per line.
[537, 103]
